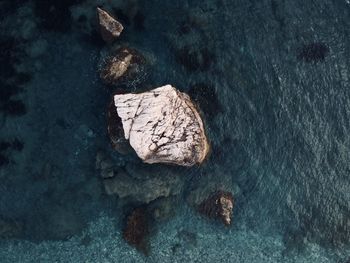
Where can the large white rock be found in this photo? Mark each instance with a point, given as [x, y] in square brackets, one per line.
[163, 126]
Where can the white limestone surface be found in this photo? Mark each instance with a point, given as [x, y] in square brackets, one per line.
[163, 126]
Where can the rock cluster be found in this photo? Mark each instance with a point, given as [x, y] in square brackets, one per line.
[138, 182]
[163, 126]
[218, 205]
[110, 28]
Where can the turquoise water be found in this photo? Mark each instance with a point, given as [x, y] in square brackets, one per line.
[272, 81]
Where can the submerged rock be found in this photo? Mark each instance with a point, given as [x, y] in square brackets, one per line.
[110, 28]
[142, 183]
[163, 126]
[136, 229]
[218, 205]
[124, 66]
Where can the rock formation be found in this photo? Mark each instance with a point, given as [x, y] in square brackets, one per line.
[110, 28]
[136, 229]
[124, 66]
[219, 205]
[139, 182]
[163, 126]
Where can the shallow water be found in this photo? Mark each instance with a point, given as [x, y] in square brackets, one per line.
[275, 100]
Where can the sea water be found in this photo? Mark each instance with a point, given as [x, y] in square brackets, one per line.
[278, 118]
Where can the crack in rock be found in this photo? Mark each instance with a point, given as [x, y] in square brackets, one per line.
[163, 126]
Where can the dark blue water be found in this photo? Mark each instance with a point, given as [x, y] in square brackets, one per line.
[272, 79]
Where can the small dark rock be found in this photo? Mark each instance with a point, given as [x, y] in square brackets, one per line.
[218, 205]
[124, 66]
[313, 52]
[137, 229]
[110, 28]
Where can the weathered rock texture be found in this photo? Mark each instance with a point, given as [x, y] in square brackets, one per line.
[110, 28]
[163, 126]
[124, 66]
[218, 206]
